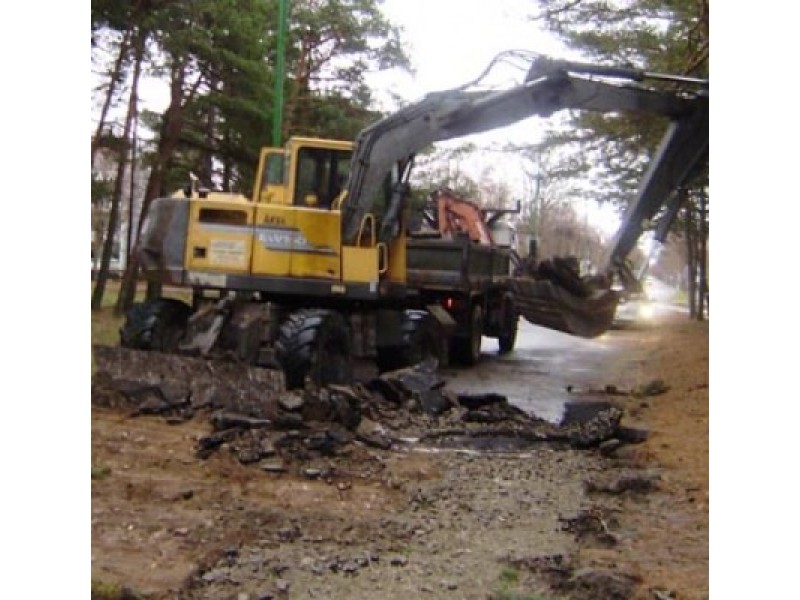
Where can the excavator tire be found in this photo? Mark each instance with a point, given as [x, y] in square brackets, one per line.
[315, 343]
[155, 325]
[467, 349]
[422, 340]
[508, 337]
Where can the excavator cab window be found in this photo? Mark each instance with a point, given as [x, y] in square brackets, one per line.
[273, 170]
[321, 176]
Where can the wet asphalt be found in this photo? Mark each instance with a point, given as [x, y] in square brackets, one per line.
[536, 375]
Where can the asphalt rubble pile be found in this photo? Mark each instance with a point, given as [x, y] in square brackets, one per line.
[339, 433]
[286, 430]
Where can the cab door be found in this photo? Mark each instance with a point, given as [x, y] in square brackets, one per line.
[270, 185]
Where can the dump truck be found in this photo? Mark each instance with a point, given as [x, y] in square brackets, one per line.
[318, 266]
[457, 266]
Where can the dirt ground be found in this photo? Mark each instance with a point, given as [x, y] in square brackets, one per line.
[420, 522]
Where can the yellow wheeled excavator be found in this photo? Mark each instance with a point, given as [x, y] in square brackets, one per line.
[318, 266]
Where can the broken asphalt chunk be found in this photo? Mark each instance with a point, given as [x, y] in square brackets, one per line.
[226, 420]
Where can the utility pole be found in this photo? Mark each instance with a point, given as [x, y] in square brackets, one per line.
[280, 69]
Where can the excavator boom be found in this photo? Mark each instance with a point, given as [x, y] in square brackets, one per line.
[549, 86]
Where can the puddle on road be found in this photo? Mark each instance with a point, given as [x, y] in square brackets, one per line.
[539, 398]
[535, 376]
[504, 447]
[551, 410]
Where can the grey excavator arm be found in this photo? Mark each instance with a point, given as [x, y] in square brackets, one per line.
[549, 86]
[683, 148]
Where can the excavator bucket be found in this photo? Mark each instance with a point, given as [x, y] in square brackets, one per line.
[551, 294]
[544, 303]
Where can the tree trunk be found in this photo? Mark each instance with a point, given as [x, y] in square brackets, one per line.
[690, 260]
[116, 200]
[206, 173]
[297, 96]
[112, 86]
[169, 138]
[227, 163]
[132, 191]
[702, 262]
[227, 174]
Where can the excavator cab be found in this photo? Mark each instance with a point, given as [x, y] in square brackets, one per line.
[270, 185]
[288, 234]
[308, 172]
[320, 176]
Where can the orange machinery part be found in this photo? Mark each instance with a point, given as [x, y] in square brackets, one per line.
[458, 215]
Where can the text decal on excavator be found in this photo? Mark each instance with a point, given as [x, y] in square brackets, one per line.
[274, 220]
[285, 239]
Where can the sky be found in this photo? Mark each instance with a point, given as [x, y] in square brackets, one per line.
[450, 43]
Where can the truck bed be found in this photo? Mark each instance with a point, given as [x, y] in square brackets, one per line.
[455, 264]
[437, 265]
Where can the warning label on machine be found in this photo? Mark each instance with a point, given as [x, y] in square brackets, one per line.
[230, 253]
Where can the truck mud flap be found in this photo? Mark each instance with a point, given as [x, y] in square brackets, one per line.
[546, 304]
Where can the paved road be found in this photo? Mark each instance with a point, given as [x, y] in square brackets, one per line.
[536, 374]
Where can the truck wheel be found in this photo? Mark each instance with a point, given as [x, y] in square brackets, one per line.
[422, 340]
[155, 325]
[315, 343]
[508, 337]
[467, 349]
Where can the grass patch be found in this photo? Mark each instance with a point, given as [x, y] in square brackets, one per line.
[509, 576]
[100, 472]
[509, 588]
[105, 327]
[514, 595]
[105, 324]
[103, 590]
[681, 298]
[111, 292]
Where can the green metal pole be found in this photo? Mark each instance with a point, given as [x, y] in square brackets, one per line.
[280, 69]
